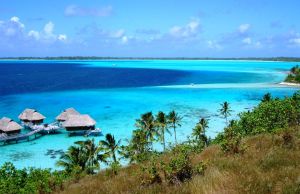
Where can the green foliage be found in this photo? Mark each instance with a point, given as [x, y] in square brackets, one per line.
[231, 144]
[200, 168]
[161, 123]
[174, 120]
[176, 168]
[138, 148]
[199, 132]
[294, 75]
[83, 157]
[267, 97]
[110, 146]
[30, 180]
[179, 168]
[114, 168]
[150, 173]
[149, 130]
[270, 116]
[225, 110]
[146, 124]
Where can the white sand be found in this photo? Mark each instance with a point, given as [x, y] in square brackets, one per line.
[290, 84]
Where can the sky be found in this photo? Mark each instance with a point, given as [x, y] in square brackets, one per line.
[150, 28]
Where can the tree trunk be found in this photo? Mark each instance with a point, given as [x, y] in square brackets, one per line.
[175, 134]
[164, 143]
[114, 157]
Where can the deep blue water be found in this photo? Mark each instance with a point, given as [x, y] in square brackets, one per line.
[28, 77]
[115, 93]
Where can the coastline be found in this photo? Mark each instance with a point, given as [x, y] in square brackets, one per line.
[290, 84]
[84, 58]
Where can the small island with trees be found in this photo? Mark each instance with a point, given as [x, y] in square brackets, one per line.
[293, 76]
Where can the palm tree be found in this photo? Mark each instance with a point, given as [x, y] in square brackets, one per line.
[137, 147]
[174, 120]
[92, 152]
[204, 124]
[199, 131]
[71, 159]
[111, 146]
[147, 124]
[84, 155]
[267, 97]
[295, 69]
[162, 125]
[225, 111]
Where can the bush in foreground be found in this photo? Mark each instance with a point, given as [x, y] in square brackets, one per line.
[29, 180]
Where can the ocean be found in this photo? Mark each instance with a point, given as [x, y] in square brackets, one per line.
[116, 92]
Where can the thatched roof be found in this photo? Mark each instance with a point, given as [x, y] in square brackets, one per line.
[8, 125]
[79, 121]
[66, 113]
[31, 115]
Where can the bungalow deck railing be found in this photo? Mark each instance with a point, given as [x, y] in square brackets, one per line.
[95, 132]
[40, 129]
[8, 138]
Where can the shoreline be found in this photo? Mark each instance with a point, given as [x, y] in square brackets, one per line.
[290, 84]
[274, 59]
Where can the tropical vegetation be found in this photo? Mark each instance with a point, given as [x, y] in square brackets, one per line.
[294, 75]
[258, 152]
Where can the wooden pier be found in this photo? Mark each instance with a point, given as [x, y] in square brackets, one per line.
[36, 131]
[20, 137]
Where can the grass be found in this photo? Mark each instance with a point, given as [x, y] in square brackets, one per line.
[268, 165]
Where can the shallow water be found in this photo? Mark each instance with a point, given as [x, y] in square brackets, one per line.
[115, 93]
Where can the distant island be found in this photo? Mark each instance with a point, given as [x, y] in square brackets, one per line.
[287, 59]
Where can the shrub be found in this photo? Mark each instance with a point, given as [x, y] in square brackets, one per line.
[269, 116]
[178, 169]
[231, 143]
[200, 168]
[31, 180]
[151, 174]
[114, 168]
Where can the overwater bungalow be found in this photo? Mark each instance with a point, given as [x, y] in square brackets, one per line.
[9, 127]
[63, 116]
[31, 116]
[79, 123]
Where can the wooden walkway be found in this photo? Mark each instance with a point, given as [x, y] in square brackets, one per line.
[38, 131]
[20, 137]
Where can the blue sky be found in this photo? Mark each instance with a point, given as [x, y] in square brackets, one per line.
[150, 28]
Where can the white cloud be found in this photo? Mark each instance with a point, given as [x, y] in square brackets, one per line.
[243, 28]
[62, 37]
[10, 32]
[12, 28]
[49, 27]
[16, 20]
[34, 34]
[213, 45]
[47, 35]
[251, 43]
[295, 41]
[191, 29]
[117, 34]
[247, 40]
[124, 39]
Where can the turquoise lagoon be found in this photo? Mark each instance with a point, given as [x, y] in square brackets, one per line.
[116, 92]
